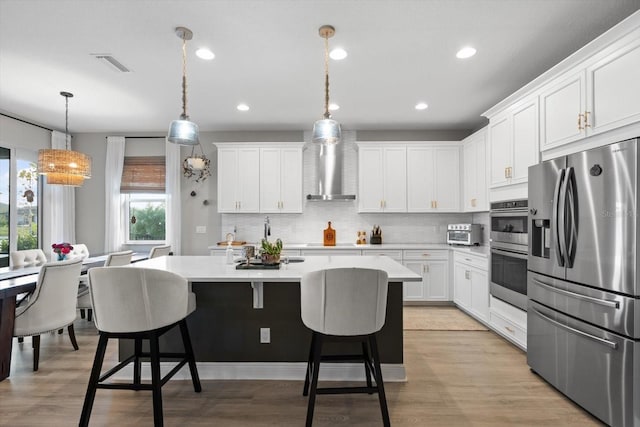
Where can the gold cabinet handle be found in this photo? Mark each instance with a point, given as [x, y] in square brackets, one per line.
[509, 329]
[473, 203]
[506, 172]
[466, 274]
[580, 116]
[426, 268]
[586, 119]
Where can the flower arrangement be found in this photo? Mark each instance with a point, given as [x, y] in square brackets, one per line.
[62, 249]
[270, 252]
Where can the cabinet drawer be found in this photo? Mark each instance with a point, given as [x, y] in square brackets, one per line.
[396, 255]
[476, 261]
[507, 328]
[426, 254]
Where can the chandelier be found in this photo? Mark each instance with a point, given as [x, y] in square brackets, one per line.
[327, 130]
[64, 166]
[183, 131]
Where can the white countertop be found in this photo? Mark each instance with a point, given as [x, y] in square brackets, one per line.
[477, 250]
[215, 269]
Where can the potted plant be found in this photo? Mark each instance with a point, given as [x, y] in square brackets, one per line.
[270, 252]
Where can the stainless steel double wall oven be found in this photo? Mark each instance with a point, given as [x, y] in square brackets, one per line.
[509, 249]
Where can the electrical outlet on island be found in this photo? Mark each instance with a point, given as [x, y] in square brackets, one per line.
[265, 335]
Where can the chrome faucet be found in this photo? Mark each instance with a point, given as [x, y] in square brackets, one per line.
[267, 227]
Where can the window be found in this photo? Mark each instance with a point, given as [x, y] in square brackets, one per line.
[5, 162]
[143, 193]
[27, 203]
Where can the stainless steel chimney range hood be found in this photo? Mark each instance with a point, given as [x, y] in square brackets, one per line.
[329, 183]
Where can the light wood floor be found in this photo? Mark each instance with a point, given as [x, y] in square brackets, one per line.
[455, 378]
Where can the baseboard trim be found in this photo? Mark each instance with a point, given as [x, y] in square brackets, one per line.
[285, 371]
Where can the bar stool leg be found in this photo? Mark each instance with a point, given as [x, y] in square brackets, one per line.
[136, 361]
[191, 359]
[317, 351]
[156, 383]
[367, 361]
[378, 377]
[305, 390]
[72, 336]
[92, 387]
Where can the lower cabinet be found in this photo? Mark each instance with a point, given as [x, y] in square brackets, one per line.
[471, 285]
[509, 321]
[433, 266]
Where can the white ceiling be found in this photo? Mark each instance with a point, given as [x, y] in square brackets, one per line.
[270, 56]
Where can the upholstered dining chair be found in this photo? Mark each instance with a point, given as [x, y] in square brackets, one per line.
[27, 257]
[344, 304]
[156, 302]
[158, 251]
[113, 259]
[80, 250]
[52, 305]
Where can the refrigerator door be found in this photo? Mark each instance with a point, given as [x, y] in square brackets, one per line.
[601, 217]
[545, 231]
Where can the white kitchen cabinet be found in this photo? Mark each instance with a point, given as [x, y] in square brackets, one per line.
[433, 178]
[433, 266]
[508, 321]
[330, 252]
[382, 179]
[471, 285]
[475, 189]
[592, 98]
[238, 179]
[281, 180]
[513, 143]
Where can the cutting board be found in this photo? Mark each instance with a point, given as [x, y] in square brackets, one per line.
[234, 243]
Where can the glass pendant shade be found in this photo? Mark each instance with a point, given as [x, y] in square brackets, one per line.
[326, 131]
[64, 167]
[183, 132]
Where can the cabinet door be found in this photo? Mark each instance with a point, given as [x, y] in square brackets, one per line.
[415, 291]
[480, 200]
[395, 179]
[613, 87]
[291, 180]
[436, 280]
[560, 107]
[480, 294]
[370, 179]
[525, 140]
[470, 172]
[500, 149]
[447, 179]
[461, 285]
[270, 180]
[248, 179]
[420, 179]
[227, 179]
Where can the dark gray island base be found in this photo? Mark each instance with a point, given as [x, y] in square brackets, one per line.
[226, 328]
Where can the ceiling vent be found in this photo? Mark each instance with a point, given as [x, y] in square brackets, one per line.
[111, 62]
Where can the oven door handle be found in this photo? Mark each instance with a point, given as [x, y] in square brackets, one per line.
[599, 340]
[557, 232]
[606, 303]
[510, 254]
[511, 212]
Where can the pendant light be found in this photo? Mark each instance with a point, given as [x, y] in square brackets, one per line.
[184, 131]
[327, 130]
[64, 166]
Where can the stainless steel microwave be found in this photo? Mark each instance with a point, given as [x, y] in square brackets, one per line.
[464, 234]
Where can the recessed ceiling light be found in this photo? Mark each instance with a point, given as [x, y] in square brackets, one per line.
[204, 53]
[242, 107]
[334, 107]
[421, 106]
[466, 52]
[338, 54]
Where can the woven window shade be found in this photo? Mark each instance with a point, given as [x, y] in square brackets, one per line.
[143, 175]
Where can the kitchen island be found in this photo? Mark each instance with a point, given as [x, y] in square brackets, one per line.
[233, 305]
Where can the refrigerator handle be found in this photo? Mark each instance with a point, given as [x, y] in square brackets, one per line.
[555, 224]
[572, 232]
[612, 345]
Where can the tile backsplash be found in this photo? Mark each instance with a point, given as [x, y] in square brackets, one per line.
[308, 227]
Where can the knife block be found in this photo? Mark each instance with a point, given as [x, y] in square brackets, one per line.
[376, 239]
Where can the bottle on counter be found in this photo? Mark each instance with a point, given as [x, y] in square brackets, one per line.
[229, 253]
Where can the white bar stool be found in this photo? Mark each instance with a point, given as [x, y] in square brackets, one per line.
[139, 304]
[344, 304]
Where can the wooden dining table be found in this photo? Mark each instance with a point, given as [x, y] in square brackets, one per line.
[16, 281]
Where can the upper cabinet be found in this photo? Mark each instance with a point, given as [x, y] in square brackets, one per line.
[382, 178]
[475, 195]
[255, 178]
[433, 178]
[281, 180]
[513, 143]
[593, 99]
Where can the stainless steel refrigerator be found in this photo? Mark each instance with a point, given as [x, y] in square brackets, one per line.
[583, 317]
